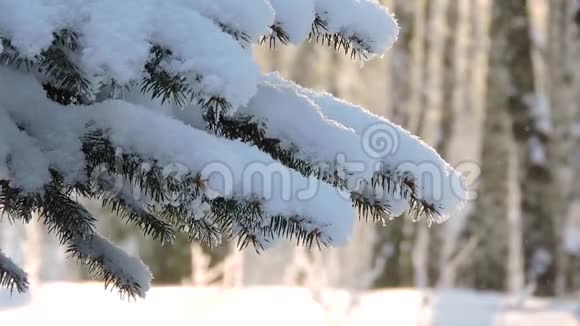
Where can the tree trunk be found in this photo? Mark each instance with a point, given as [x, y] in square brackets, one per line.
[564, 81]
[489, 222]
[462, 118]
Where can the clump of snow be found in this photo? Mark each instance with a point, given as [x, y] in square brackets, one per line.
[437, 182]
[30, 23]
[295, 17]
[360, 19]
[28, 166]
[252, 17]
[129, 271]
[296, 120]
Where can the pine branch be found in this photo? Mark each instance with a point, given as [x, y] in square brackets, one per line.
[353, 44]
[246, 221]
[68, 84]
[65, 81]
[241, 37]
[295, 228]
[15, 204]
[74, 226]
[176, 88]
[12, 276]
[278, 34]
[251, 130]
[64, 216]
[404, 185]
[177, 201]
[126, 206]
[375, 210]
[104, 260]
[10, 56]
[172, 198]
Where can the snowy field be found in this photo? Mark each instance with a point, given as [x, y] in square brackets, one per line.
[69, 304]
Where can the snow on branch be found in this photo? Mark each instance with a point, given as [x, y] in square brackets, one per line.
[181, 45]
[17, 151]
[311, 143]
[160, 96]
[125, 273]
[123, 202]
[432, 186]
[244, 20]
[211, 61]
[228, 169]
[293, 20]
[362, 28]
[12, 276]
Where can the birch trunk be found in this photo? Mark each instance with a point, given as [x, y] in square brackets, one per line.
[564, 81]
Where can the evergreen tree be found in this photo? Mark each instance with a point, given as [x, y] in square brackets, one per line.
[157, 109]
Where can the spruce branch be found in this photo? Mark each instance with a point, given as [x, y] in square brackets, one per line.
[126, 274]
[124, 204]
[178, 89]
[11, 276]
[277, 34]
[64, 216]
[349, 44]
[243, 38]
[65, 82]
[11, 57]
[298, 229]
[15, 204]
[177, 201]
[369, 209]
[251, 130]
[247, 222]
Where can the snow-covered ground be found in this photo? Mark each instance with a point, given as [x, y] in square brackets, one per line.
[71, 304]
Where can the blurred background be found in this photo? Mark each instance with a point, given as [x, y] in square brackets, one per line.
[496, 90]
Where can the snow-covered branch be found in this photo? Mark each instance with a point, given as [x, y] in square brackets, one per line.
[105, 260]
[158, 109]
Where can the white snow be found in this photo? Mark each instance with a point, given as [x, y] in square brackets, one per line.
[30, 23]
[252, 17]
[262, 306]
[295, 17]
[28, 166]
[296, 120]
